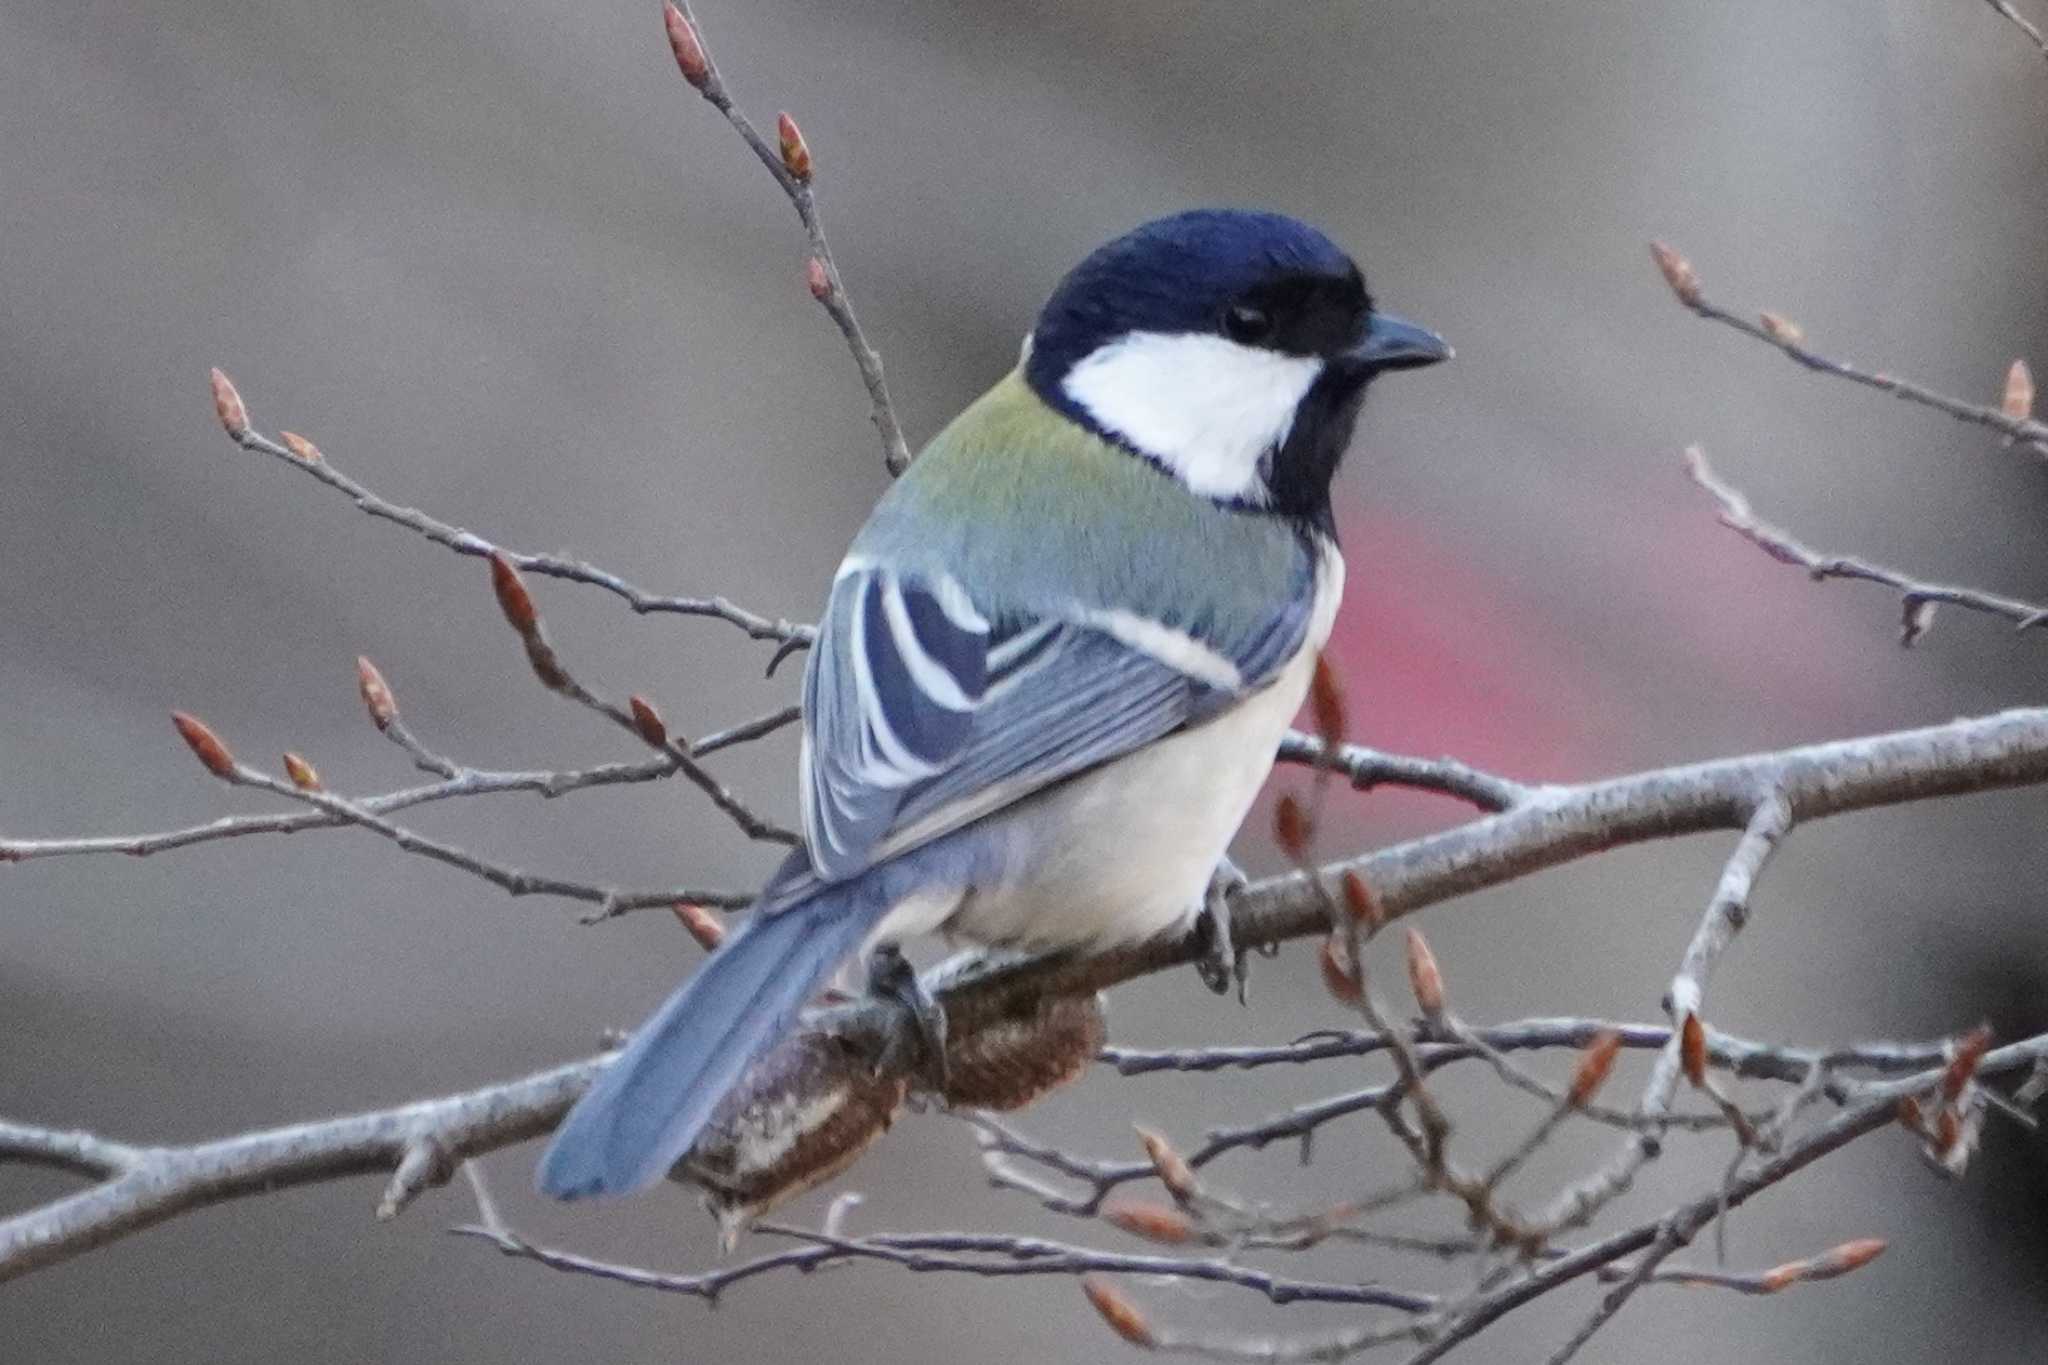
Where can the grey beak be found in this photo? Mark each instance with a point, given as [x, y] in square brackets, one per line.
[1394, 343]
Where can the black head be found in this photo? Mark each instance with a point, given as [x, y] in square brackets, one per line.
[1230, 348]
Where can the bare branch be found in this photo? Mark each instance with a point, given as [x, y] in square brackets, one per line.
[146, 1185]
[791, 166]
[1369, 768]
[461, 782]
[2023, 24]
[524, 617]
[610, 900]
[1769, 818]
[332, 811]
[465, 542]
[1563, 823]
[1775, 331]
[1566, 822]
[1728, 910]
[746, 732]
[1680, 1225]
[1917, 599]
[78, 1153]
[1739, 1055]
[1828, 1265]
[468, 782]
[953, 1253]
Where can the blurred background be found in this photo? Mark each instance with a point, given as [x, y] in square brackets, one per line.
[501, 263]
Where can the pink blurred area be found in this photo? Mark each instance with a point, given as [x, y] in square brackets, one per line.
[1439, 657]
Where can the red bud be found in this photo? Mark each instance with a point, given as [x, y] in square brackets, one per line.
[1692, 1049]
[1161, 1223]
[513, 598]
[1596, 1064]
[1363, 905]
[206, 746]
[1962, 1066]
[228, 407]
[1118, 1311]
[1781, 329]
[796, 153]
[1678, 273]
[817, 279]
[376, 694]
[300, 446]
[1174, 1171]
[1340, 974]
[705, 927]
[1326, 703]
[2018, 400]
[1292, 829]
[304, 775]
[688, 48]
[1830, 1263]
[1425, 979]
[648, 722]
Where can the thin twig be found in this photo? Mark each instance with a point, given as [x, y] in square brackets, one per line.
[1686, 1220]
[462, 542]
[469, 782]
[609, 900]
[146, 1185]
[1728, 909]
[1769, 818]
[963, 1253]
[1787, 338]
[2023, 24]
[1917, 598]
[639, 720]
[746, 732]
[1740, 1055]
[462, 781]
[1369, 768]
[824, 280]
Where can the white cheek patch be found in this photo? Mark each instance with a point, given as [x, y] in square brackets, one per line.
[1204, 406]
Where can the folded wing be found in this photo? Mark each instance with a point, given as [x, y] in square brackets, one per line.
[923, 713]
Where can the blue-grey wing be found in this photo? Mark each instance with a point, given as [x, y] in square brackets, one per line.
[897, 672]
[922, 713]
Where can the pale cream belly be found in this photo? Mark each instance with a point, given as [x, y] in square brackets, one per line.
[1126, 852]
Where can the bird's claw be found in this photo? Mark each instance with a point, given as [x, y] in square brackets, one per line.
[1222, 963]
[892, 978]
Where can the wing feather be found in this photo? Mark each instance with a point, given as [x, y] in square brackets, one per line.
[922, 714]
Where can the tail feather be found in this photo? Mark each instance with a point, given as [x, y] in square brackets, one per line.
[648, 1107]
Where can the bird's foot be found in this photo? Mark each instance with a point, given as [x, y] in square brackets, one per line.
[1222, 962]
[892, 978]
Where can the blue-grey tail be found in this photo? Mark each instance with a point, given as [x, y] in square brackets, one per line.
[648, 1107]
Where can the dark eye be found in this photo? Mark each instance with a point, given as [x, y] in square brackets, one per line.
[1247, 323]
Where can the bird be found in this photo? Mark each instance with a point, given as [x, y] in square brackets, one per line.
[1055, 665]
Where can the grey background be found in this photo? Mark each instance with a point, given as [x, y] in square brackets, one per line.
[499, 262]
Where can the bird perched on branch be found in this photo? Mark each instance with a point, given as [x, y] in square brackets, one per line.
[1057, 661]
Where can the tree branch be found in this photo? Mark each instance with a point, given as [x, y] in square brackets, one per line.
[1369, 768]
[1917, 599]
[985, 1254]
[420, 1143]
[1775, 331]
[464, 542]
[1563, 823]
[791, 165]
[2023, 24]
